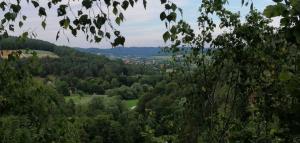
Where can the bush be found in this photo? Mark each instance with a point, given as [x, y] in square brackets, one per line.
[124, 92]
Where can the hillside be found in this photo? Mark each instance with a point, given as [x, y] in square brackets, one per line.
[28, 53]
[76, 72]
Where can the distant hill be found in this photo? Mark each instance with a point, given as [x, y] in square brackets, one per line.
[28, 53]
[142, 52]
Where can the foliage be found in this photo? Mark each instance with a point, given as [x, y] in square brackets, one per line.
[243, 89]
[237, 92]
[93, 18]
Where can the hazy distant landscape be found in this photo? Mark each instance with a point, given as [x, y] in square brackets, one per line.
[126, 52]
[133, 55]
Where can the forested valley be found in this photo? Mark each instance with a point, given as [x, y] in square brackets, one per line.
[80, 97]
[237, 85]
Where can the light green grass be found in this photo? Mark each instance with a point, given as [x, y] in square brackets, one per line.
[131, 103]
[86, 99]
[79, 100]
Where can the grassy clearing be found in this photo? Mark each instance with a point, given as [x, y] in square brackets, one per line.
[162, 57]
[84, 100]
[28, 53]
[131, 103]
[81, 100]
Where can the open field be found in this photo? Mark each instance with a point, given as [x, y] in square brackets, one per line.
[84, 100]
[131, 104]
[25, 53]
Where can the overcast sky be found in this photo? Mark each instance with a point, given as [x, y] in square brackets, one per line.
[141, 28]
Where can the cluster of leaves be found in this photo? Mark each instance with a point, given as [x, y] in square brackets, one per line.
[239, 88]
[289, 10]
[92, 19]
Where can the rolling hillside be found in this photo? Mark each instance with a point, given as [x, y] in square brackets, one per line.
[28, 53]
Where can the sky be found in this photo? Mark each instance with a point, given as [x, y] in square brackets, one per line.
[142, 28]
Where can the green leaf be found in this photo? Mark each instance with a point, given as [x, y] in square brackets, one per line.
[115, 11]
[173, 30]
[87, 3]
[166, 36]
[97, 39]
[20, 24]
[49, 5]
[285, 76]
[145, 3]
[120, 40]
[65, 23]
[107, 2]
[42, 12]
[125, 5]
[163, 1]
[99, 21]
[25, 34]
[131, 2]
[121, 16]
[35, 4]
[116, 3]
[117, 33]
[2, 5]
[118, 20]
[173, 6]
[57, 35]
[79, 12]
[10, 16]
[172, 16]
[163, 16]
[74, 32]
[93, 29]
[24, 17]
[61, 11]
[107, 35]
[15, 8]
[84, 20]
[181, 12]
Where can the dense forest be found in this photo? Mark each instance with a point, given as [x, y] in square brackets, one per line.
[237, 86]
[36, 105]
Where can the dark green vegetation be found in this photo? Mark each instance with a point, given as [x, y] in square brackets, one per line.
[245, 89]
[81, 73]
[62, 99]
